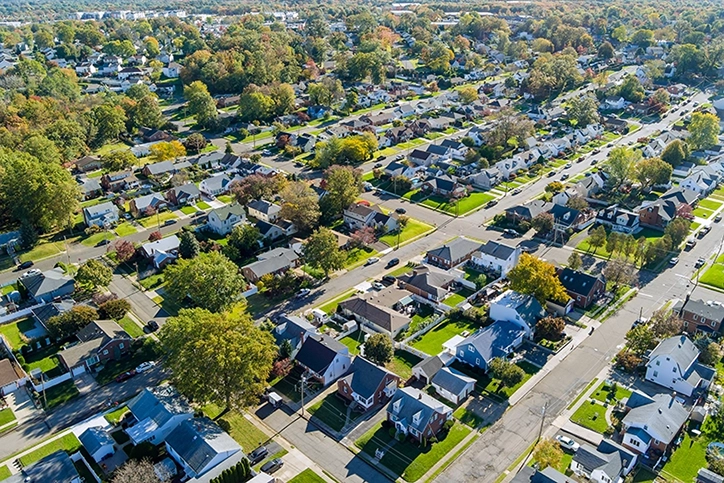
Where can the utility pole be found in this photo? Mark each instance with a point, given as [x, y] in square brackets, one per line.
[302, 385]
[42, 381]
[542, 420]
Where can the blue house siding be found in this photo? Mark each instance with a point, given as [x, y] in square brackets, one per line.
[468, 354]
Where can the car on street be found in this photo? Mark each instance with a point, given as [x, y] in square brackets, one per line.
[378, 286]
[125, 376]
[400, 211]
[200, 213]
[568, 165]
[145, 366]
[510, 232]
[717, 218]
[34, 271]
[594, 162]
[690, 243]
[491, 203]
[639, 321]
[127, 216]
[565, 176]
[596, 151]
[399, 157]
[392, 263]
[699, 263]
[303, 293]
[152, 326]
[25, 265]
[704, 230]
[266, 152]
[378, 165]
[551, 173]
[258, 454]
[567, 443]
[272, 466]
[516, 191]
[674, 261]
[103, 242]
[371, 260]
[169, 222]
[389, 279]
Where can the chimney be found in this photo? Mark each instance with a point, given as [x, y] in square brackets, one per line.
[419, 395]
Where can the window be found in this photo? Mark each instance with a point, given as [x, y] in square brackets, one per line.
[656, 374]
[658, 363]
[634, 442]
[696, 316]
[462, 353]
[429, 432]
[477, 361]
[345, 389]
[673, 369]
[713, 323]
[470, 348]
[105, 352]
[121, 345]
[703, 320]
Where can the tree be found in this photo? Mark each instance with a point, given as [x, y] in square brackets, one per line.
[114, 309]
[631, 89]
[507, 373]
[678, 229]
[200, 104]
[254, 105]
[665, 324]
[652, 171]
[550, 328]
[109, 122]
[343, 185]
[657, 250]
[135, 471]
[210, 280]
[301, 205]
[554, 187]
[510, 127]
[145, 112]
[711, 353]
[188, 245]
[621, 165]
[221, 358]
[379, 349]
[155, 236]
[195, 142]
[94, 273]
[661, 98]
[577, 202]
[542, 222]
[574, 261]
[597, 237]
[285, 349]
[583, 111]
[124, 250]
[167, 150]
[322, 251]
[628, 361]
[325, 93]
[548, 453]
[643, 38]
[61, 84]
[619, 272]
[541, 45]
[704, 130]
[606, 50]
[243, 241]
[71, 321]
[118, 160]
[257, 187]
[468, 94]
[538, 278]
[363, 237]
[640, 339]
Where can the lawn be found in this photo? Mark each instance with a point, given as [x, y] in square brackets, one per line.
[225, 198]
[330, 306]
[188, 210]
[307, 476]
[353, 341]
[687, 459]
[242, 430]
[714, 276]
[702, 213]
[44, 359]
[468, 417]
[13, 332]
[288, 385]
[131, 328]
[358, 256]
[41, 251]
[68, 443]
[157, 219]
[332, 411]
[6, 416]
[407, 459]
[4, 472]
[710, 204]
[116, 415]
[563, 465]
[603, 393]
[400, 271]
[431, 343]
[493, 385]
[202, 205]
[125, 229]
[454, 299]
[60, 394]
[108, 148]
[402, 364]
[649, 234]
[96, 238]
[592, 416]
[153, 281]
[412, 230]
[471, 202]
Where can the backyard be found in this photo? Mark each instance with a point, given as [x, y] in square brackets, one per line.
[591, 415]
[585, 246]
[431, 342]
[458, 297]
[14, 332]
[687, 459]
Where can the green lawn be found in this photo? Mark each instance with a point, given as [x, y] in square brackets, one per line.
[468, 417]
[159, 218]
[307, 476]
[44, 359]
[471, 202]
[202, 205]
[132, 328]
[592, 416]
[453, 299]
[68, 443]
[409, 460]
[43, 250]
[332, 411]
[225, 198]
[96, 238]
[242, 430]
[188, 210]
[13, 331]
[702, 212]
[402, 364]
[115, 416]
[6, 416]
[125, 229]
[603, 393]
[431, 343]
[330, 306]
[413, 229]
[492, 386]
[687, 459]
[714, 276]
[108, 148]
[710, 204]
[563, 465]
[644, 476]
[359, 256]
[353, 341]
[4, 472]
[649, 234]
[153, 281]
[60, 394]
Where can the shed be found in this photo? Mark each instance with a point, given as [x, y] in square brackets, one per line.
[97, 442]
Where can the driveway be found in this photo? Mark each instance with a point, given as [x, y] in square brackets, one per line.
[85, 383]
[22, 406]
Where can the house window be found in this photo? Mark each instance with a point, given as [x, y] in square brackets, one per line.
[713, 323]
[470, 348]
[634, 442]
[105, 352]
[656, 374]
[673, 369]
[477, 362]
[345, 389]
[696, 316]
[429, 432]
[658, 363]
[121, 345]
[462, 352]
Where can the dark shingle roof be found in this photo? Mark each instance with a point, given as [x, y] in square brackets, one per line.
[456, 249]
[95, 438]
[497, 250]
[577, 282]
[429, 366]
[318, 352]
[365, 377]
[451, 380]
[495, 340]
[710, 311]
[56, 467]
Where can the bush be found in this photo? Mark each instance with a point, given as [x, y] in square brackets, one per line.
[447, 426]
[114, 309]
[143, 450]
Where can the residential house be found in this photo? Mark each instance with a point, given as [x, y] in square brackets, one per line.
[293, 328]
[269, 231]
[158, 169]
[701, 316]
[421, 158]
[381, 311]
[528, 211]
[477, 135]
[497, 257]
[287, 227]
[443, 185]
[567, 219]
[360, 215]
[453, 253]
[428, 284]
[452, 385]
[148, 204]
[529, 474]
[607, 463]
[485, 178]
[100, 342]
[673, 364]
[324, 358]
[707, 476]
[520, 309]
[222, 220]
[659, 213]
[499, 339]
[12, 377]
[273, 262]
[172, 70]
[156, 412]
[457, 149]
[199, 445]
[619, 219]
[56, 467]
[48, 285]
[367, 384]
[414, 413]
[103, 215]
[186, 194]
[614, 103]
[91, 188]
[441, 153]
[161, 252]
[217, 184]
[426, 369]
[87, 163]
[397, 168]
[615, 124]
[702, 182]
[150, 135]
[652, 422]
[98, 443]
[129, 72]
[582, 287]
[263, 210]
[119, 181]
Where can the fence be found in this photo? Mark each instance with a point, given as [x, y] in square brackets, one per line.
[51, 382]
[411, 350]
[19, 314]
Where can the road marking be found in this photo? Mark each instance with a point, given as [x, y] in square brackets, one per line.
[646, 295]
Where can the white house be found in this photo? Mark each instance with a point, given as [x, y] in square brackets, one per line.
[673, 364]
[522, 310]
[264, 210]
[200, 445]
[477, 135]
[359, 215]
[222, 220]
[702, 181]
[615, 103]
[324, 358]
[97, 442]
[453, 385]
[217, 184]
[652, 422]
[608, 463]
[172, 70]
[497, 257]
[103, 214]
[156, 412]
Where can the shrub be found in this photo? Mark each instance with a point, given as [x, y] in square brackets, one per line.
[115, 309]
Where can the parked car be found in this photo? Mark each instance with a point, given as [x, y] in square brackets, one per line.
[34, 271]
[690, 243]
[272, 466]
[565, 176]
[152, 326]
[400, 211]
[674, 261]
[699, 263]
[200, 213]
[103, 242]
[266, 152]
[491, 203]
[378, 285]
[551, 173]
[25, 265]
[596, 151]
[717, 218]
[639, 321]
[371, 260]
[303, 293]
[704, 230]
[258, 454]
[125, 376]
[510, 232]
[389, 279]
[516, 191]
[145, 366]
[568, 165]
[567, 443]
[392, 263]
[169, 222]
[378, 165]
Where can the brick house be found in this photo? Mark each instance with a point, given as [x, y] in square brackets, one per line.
[675, 202]
[100, 342]
[367, 384]
[583, 288]
[701, 316]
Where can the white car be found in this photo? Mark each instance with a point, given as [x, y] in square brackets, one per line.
[145, 366]
[372, 260]
[378, 286]
[567, 443]
[640, 321]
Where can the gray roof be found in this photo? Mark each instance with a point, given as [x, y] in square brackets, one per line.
[264, 206]
[710, 311]
[45, 312]
[100, 209]
[429, 279]
[160, 167]
[233, 209]
[662, 414]
[159, 404]
[197, 441]
[528, 474]
[164, 245]
[45, 283]
[609, 457]
[707, 476]
[285, 257]
[187, 190]
[495, 340]
[530, 210]
[429, 366]
[529, 309]
[75, 355]
[679, 348]
[95, 438]
[500, 251]
[409, 402]
[90, 185]
[56, 467]
[150, 200]
[364, 377]
[292, 328]
[451, 380]
[102, 329]
[438, 149]
[578, 282]
[456, 249]
[319, 351]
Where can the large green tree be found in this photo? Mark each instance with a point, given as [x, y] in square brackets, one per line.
[537, 277]
[379, 349]
[675, 152]
[300, 205]
[621, 165]
[322, 251]
[704, 130]
[343, 185]
[652, 171]
[93, 274]
[200, 104]
[583, 110]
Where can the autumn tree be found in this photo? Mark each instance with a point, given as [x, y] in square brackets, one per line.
[577, 202]
[135, 471]
[93, 274]
[71, 321]
[257, 187]
[640, 339]
[114, 309]
[548, 453]
[118, 160]
[301, 205]
[583, 111]
[124, 250]
[574, 261]
[322, 251]
[167, 150]
[542, 222]
[675, 152]
[510, 128]
[538, 278]
[195, 142]
[550, 328]
[200, 104]
[468, 94]
[379, 349]
[703, 130]
[618, 272]
[363, 237]
[665, 323]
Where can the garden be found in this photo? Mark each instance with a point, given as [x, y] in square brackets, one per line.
[431, 342]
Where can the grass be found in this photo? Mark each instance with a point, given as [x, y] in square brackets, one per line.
[470, 203]
[412, 230]
[13, 332]
[307, 476]
[332, 411]
[153, 281]
[225, 198]
[431, 343]
[702, 212]
[591, 415]
[330, 306]
[125, 229]
[68, 443]
[146, 353]
[685, 462]
[402, 364]
[714, 276]
[603, 393]
[4, 472]
[453, 299]
[563, 465]
[159, 218]
[644, 476]
[108, 148]
[242, 430]
[115, 416]
[493, 385]
[60, 394]
[408, 460]
[43, 250]
[400, 271]
[288, 385]
[6, 416]
[44, 359]
[467, 417]
[96, 238]
[132, 328]
[202, 205]
[649, 234]
[188, 210]
[710, 204]
[353, 341]
[358, 256]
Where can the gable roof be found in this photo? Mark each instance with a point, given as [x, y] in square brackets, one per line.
[41, 284]
[273, 261]
[186, 190]
[497, 250]
[319, 351]
[364, 377]
[442, 183]
[95, 438]
[529, 309]
[264, 206]
[662, 414]
[150, 200]
[102, 329]
[451, 380]
[155, 406]
[577, 282]
[530, 210]
[45, 312]
[100, 209]
[679, 348]
[429, 280]
[418, 154]
[409, 402]
[292, 328]
[377, 308]
[707, 476]
[233, 209]
[609, 458]
[197, 441]
[495, 340]
[429, 366]
[455, 250]
[529, 474]
[8, 372]
[159, 168]
[56, 467]
[707, 310]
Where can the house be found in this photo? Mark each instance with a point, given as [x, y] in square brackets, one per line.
[619, 219]
[609, 462]
[441, 153]
[382, 311]
[457, 149]
[486, 178]
[222, 220]
[48, 285]
[614, 103]
[701, 316]
[659, 213]
[367, 384]
[158, 169]
[397, 168]
[148, 204]
[453, 253]
[156, 412]
[652, 423]
[103, 215]
[520, 309]
[198, 445]
[87, 163]
[428, 284]
[186, 194]
[496, 257]
[583, 288]
[217, 184]
[701, 181]
[269, 231]
[452, 385]
[273, 262]
[293, 329]
[427, 368]
[499, 339]
[527, 211]
[477, 135]
[101, 341]
[422, 158]
[529, 474]
[566, 219]
[128, 72]
[161, 252]
[615, 124]
[97, 442]
[151, 135]
[360, 215]
[172, 70]
[56, 467]
[119, 181]
[324, 358]
[443, 185]
[263, 210]
[414, 413]
[673, 364]
[11, 377]
[91, 188]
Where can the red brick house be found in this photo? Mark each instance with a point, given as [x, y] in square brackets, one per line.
[674, 203]
[701, 316]
[367, 384]
[100, 342]
[583, 288]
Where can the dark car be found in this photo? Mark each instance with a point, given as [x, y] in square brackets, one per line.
[25, 265]
[126, 375]
[401, 211]
[152, 326]
[272, 466]
[510, 232]
[258, 454]
[378, 165]
[103, 242]
[389, 279]
[169, 222]
[491, 203]
[393, 262]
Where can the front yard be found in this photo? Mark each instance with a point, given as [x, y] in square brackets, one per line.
[157, 220]
[307, 476]
[604, 393]
[96, 238]
[412, 230]
[125, 229]
[332, 411]
[241, 429]
[431, 342]
[330, 306]
[60, 394]
[68, 443]
[358, 256]
[591, 415]
[473, 201]
[714, 275]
